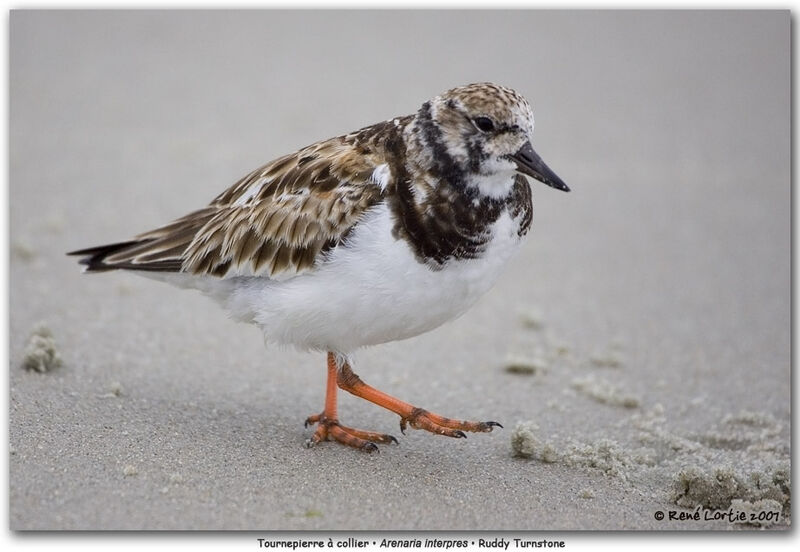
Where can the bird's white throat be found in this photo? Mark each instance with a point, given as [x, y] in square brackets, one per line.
[496, 185]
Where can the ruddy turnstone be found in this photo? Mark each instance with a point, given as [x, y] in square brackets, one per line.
[378, 235]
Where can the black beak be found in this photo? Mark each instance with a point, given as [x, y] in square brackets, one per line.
[529, 163]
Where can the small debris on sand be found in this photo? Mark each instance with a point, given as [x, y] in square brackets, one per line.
[757, 419]
[607, 359]
[526, 444]
[604, 455]
[585, 493]
[129, 470]
[42, 329]
[115, 390]
[612, 357]
[531, 319]
[40, 353]
[526, 366]
[713, 489]
[604, 392]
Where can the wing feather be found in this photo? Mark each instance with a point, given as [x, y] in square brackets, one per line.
[277, 220]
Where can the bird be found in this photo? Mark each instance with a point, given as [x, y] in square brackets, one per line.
[374, 236]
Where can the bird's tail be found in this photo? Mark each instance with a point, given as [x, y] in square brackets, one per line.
[123, 255]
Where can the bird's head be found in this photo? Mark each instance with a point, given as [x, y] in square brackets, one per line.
[480, 135]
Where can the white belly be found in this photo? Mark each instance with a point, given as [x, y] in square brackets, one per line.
[370, 292]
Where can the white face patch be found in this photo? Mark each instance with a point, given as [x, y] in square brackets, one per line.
[381, 176]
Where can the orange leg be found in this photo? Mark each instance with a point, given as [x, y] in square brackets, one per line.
[328, 420]
[417, 418]
[409, 415]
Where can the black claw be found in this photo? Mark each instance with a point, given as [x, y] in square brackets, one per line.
[370, 448]
[459, 434]
[396, 442]
[492, 424]
[403, 426]
[305, 424]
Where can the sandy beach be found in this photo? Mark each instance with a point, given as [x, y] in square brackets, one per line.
[636, 351]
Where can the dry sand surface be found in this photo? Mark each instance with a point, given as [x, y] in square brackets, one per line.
[637, 350]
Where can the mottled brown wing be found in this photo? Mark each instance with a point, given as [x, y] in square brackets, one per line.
[275, 221]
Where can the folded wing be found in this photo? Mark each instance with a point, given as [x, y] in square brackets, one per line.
[275, 221]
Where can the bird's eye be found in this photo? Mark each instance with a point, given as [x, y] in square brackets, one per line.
[484, 124]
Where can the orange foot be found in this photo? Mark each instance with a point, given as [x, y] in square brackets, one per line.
[422, 419]
[344, 378]
[356, 438]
